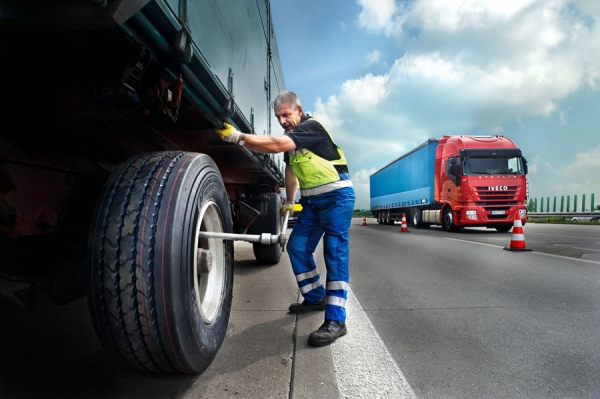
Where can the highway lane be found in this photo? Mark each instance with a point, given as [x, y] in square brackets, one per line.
[462, 317]
[458, 316]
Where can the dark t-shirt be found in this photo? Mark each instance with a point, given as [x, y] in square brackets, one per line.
[311, 135]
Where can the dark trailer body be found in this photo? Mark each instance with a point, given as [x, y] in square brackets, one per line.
[110, 170]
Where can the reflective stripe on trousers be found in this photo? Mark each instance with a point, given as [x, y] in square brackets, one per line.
[327, 215]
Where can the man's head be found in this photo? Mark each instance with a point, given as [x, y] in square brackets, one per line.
[288, 110]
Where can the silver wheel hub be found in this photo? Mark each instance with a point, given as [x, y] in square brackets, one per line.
[209, 263]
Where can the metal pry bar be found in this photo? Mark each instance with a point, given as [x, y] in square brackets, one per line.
[264, 238]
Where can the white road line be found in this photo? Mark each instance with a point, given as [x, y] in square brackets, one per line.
[473, 242]
[364, 367]
[532, 252]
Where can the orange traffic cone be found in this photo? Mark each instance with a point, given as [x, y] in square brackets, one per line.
[403, 227]
[517, 241]
[364, 222]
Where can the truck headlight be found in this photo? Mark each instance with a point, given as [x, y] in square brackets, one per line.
[522, 213]
[471, 214]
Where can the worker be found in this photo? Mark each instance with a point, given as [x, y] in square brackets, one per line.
[315, 164]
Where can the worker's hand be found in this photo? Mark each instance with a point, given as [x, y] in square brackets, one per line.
[229, 133]
[288, 206]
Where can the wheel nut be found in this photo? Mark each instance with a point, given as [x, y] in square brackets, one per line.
[204, 260]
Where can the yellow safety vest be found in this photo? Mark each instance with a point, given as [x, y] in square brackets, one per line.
[312, 170]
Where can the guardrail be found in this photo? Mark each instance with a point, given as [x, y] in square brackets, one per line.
[533, 204]
[564, 214]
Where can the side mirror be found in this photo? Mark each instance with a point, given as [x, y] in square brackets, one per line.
[525, 168]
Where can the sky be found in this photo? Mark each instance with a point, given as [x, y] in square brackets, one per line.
[387, 75]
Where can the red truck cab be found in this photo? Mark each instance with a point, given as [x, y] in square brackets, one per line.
[480, 181]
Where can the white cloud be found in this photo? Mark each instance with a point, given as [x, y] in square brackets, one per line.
[376, 15]
[366, 93]
[456, 15]
[373, 57]
[586, 162]
[329, 113]
[563, 118]
[361, 183]
[533, 165]
[505, 56]
[577, 177]
[487, 61]
[427, 68]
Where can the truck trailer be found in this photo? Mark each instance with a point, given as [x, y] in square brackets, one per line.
[113, 183]
[453, 182]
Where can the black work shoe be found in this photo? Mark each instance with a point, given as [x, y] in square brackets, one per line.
[306, 307]
[327, 333]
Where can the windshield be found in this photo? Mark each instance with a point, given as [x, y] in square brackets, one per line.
[492, 166]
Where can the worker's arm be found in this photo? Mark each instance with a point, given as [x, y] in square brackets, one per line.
[269, 144]
[264, 144]
[291, 182]
[291, 186]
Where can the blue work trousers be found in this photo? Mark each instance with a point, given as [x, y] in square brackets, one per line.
[326, 215]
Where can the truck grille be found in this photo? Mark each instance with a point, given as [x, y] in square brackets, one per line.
[496, 200]
[484, 194]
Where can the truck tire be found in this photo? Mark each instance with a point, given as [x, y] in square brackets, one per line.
[269, 222]
[448, 220]
[159, 295]
[417, 220]
[267, 254]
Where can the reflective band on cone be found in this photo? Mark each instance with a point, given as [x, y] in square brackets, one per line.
[404, 228]
[517, 241]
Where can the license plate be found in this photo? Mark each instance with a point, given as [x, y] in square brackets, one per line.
[498, 212]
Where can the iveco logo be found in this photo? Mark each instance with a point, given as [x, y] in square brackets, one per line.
[497, 188]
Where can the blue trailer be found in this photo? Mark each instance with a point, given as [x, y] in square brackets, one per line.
[405, 182]
[113, 183]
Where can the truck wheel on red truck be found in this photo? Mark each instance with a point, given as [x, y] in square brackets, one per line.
[113, 183]
[454, 182]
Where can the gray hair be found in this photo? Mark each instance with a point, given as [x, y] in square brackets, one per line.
[286, 97]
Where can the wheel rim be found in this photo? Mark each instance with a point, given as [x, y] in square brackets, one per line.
[209, 263]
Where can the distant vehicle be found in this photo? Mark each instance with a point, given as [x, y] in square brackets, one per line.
[585, 219]
[297, 207]
[455, 182]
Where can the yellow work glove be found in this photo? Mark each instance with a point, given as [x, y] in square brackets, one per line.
[229, 133]
[288, 206]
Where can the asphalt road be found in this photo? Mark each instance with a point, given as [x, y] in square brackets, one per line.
[52, 351]
[464, 318]
[431, 314]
